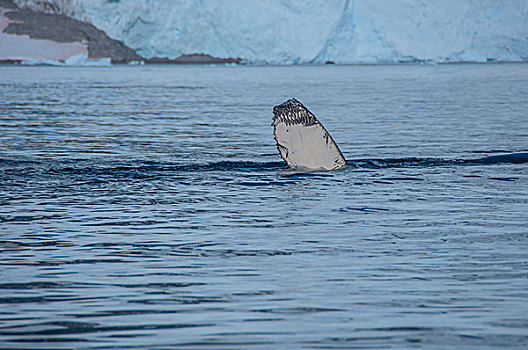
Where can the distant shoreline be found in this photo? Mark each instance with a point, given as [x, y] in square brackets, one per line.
[19, 63]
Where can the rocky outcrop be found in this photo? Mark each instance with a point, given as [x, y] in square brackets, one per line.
[7, 4]
[62, 29]
[195, 58]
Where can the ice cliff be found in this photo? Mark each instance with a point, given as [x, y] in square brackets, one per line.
[312, 31]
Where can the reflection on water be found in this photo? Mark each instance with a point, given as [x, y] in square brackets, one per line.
[147, 207]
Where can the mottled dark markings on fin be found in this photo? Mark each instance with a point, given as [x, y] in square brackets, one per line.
[293, 112]
[282, 149]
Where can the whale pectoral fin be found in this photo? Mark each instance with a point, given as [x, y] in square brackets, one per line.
[302, 140]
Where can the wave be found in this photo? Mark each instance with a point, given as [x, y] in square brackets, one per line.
[511, 158]
[143, 168]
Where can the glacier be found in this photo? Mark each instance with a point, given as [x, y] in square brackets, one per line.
[312, 31]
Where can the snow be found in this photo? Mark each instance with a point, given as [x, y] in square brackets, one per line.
[314, 31]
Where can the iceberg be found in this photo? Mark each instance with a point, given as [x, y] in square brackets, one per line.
[316, 31]
[82, 60]
[39, 62]
[78, 60]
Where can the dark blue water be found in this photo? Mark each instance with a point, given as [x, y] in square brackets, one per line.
[148, 208]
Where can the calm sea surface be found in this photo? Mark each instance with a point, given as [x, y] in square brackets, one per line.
[148, 208]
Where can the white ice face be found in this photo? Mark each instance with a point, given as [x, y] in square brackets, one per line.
[302, 140]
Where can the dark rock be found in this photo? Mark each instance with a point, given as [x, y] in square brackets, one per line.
[195, 58]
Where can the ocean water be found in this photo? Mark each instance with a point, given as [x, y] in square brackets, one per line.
[148, 208]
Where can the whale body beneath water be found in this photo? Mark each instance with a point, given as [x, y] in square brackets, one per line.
[302, 140]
